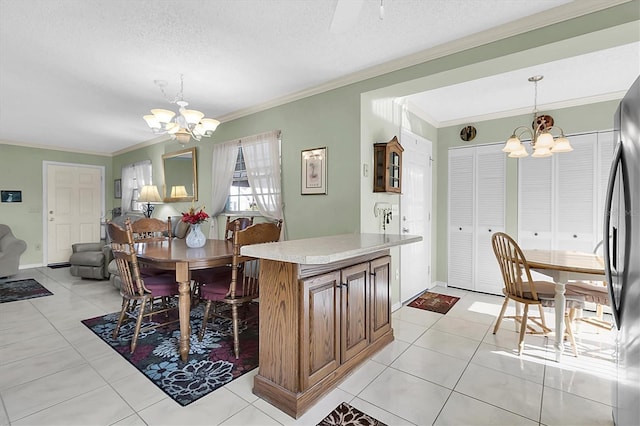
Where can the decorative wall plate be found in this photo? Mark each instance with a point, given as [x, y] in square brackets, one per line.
[468, 133]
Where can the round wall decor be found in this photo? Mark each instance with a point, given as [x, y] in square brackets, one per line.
[468, 133]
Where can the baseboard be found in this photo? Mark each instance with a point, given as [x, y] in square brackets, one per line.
[34, 265]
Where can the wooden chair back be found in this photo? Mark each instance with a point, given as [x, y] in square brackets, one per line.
[244, 269]
[244, 222]
[124, 253]
[150, 229]
[514, 267]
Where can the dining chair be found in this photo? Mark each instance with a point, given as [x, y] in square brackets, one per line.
[595, 292]
[521, 288]
[236, 285]
[231, 225]
[151, 230]
[142, 297]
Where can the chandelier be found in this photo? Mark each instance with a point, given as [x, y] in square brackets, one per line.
[542, 141]
[189, 123]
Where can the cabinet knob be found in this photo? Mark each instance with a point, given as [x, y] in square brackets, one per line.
[489, 230]
[535, 233]
[575, 236]
[460, 229]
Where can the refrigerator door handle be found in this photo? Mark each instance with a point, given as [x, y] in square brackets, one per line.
[610, 258]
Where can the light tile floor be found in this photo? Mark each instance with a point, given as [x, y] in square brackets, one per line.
[440, 370]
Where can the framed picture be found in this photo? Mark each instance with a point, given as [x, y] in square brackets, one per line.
[11, 196]
[314, 171]
[117, 188]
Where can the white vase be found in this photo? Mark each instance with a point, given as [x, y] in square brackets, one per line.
[195, 237]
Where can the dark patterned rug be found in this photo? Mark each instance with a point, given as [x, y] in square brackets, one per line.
[10, 291]
[346, 415]
[211, 363]
[440, 303]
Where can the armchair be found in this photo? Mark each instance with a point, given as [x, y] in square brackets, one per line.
[90, 260]
[11, 248]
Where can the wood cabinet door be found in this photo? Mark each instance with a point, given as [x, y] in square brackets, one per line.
[380, 297]
[319, 328]
[355, 314]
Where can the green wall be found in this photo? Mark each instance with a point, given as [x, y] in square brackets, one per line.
[21, 168]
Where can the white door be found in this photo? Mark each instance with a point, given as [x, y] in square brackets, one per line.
[490, 199]
[74, 203]
[415, 215]
[461, 217]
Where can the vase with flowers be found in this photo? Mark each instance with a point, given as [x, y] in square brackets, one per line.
[195, 238]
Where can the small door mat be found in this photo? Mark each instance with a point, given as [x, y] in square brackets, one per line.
[11, 291]
[59, 265]
[346, 415]
[435, 302]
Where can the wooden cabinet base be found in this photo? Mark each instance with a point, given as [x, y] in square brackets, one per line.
[296, 404]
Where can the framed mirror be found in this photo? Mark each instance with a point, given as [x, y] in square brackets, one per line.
[180, 176]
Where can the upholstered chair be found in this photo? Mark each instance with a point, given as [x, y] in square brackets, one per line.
[11, 248]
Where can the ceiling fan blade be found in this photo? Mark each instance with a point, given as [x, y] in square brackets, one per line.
[345, 15]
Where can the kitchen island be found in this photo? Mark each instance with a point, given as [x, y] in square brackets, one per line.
[325, 308]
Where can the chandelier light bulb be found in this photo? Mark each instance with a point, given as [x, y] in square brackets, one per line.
[544, 140]
[562, 145]
[520, 153]
[513, 144]
[541, 153]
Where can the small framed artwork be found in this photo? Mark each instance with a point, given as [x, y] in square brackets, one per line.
[314, 171]
[11, 196]
[117, 188]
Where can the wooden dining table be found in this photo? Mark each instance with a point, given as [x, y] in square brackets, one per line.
[564, 266]
[174, 255]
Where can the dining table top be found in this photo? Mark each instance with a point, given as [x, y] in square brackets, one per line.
[213, 253]
[565, 260]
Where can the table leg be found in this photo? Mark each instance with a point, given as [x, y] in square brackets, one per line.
[184, 307]
[560, 303]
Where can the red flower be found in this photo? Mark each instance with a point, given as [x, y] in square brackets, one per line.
[194, 217]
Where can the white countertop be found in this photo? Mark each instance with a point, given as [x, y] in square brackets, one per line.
[322, 250]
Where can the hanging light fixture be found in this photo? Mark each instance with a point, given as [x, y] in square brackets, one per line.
[542, 142]
[189, 123]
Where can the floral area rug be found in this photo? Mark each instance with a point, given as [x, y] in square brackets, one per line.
[10, 291]
[435, 302]
[346, 415]
[211, 363]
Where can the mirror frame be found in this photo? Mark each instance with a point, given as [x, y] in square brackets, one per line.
[165, 157]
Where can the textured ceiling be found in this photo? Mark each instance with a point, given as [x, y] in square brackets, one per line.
[79, 75]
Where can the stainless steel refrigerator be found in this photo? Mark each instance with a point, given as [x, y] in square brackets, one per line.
[622, 256]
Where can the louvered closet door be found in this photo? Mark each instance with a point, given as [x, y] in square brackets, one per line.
[606, 147]
[576, 177]
[490, 215]
[535, 202]
[460, 256]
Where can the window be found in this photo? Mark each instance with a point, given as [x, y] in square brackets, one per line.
[134, 177]
[240, 195]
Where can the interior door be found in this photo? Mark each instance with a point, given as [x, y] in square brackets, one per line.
[74, 204]
[415, 215]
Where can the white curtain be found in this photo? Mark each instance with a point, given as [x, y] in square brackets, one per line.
[224, 163]
[262, 159]
[134, 177]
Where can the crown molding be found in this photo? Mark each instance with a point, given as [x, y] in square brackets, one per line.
[56, 148]
[614, 96]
